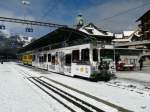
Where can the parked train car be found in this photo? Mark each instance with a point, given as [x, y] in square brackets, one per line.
[80, 60]
[72, 52]
[27, 58]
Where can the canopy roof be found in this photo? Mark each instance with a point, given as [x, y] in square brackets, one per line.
[60, 37]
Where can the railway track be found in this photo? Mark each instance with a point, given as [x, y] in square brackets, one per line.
[84, 106]
[76, 101]
[48, 88]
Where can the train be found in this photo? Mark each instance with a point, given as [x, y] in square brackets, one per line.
[74, 53]
[86, 60]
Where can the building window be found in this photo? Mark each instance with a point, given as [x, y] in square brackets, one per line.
[75, 56]
[85, 55]
[95, 55]
[68, 60]
[49, 57]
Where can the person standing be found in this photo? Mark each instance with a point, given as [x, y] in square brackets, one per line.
[141, 63]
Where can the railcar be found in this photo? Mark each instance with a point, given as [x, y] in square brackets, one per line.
[72, 52]
[27, 58]
[81, 60]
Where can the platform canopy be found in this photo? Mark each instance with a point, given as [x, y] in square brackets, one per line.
[61, 37]
[58, 38]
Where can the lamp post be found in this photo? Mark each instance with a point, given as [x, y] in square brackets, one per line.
[25, 3]
[114, 49]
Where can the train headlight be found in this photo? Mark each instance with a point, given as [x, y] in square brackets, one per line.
[112, 67]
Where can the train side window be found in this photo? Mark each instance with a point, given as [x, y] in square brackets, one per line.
[45, 58]
[39, 58]
[29, 57]
[95, 55]
[42, 58]
[25, 57]
[75, 56]
[85, 55]
[53, 59]
[33, 58]
[49, 57]
[68, 59]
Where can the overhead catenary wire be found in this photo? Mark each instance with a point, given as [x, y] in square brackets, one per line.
[124, 12]
[49, 10]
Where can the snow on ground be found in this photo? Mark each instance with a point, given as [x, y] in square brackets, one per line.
[135, 76]
[17, 95]
[123, 97]
[135, 80]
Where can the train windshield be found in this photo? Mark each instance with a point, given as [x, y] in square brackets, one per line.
[107, 54]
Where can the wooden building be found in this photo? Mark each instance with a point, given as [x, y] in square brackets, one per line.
[145, 25]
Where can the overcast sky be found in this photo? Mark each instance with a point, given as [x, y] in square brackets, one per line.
[65, 11]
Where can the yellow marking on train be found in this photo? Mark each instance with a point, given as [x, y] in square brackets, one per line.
[81, 69]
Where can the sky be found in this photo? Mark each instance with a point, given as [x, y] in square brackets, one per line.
[65, 11]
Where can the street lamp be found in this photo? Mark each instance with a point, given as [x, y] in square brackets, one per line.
[114, 50]
[25, 3]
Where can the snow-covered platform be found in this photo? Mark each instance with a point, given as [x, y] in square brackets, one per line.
[142, 77]
[18, 95]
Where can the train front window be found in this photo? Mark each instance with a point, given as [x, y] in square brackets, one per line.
[85, 55]
[95, 55]
[107, 54]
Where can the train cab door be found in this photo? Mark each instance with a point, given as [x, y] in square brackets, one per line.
[67, 68]
[61, 62]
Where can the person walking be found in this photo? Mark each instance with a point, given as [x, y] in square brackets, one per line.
[141, 63]
[1, 61]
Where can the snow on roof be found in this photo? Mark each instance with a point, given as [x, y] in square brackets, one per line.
[91, 29]
[119, 36]
[122, 40]
[127, 33]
